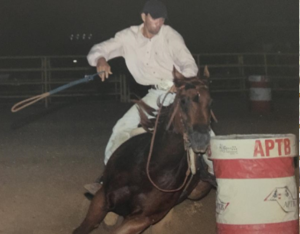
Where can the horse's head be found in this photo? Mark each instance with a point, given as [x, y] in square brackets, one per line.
[193, 102]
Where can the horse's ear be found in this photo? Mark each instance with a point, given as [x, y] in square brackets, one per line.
[178, 78]
[206, 72]
[206, 75]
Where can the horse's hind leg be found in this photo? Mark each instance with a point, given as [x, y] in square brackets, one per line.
[95, 215]
[133, 225]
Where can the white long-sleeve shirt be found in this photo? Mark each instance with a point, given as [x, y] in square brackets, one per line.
[150, 61]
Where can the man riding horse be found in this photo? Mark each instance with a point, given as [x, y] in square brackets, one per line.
[150, 50]
[154, 171]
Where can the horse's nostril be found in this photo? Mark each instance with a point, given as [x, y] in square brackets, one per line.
[199, 141]
[200, 151]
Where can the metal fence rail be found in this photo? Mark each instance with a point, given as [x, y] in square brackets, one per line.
[22, 77]
[230, 72]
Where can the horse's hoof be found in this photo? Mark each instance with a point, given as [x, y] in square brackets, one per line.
[92, 188]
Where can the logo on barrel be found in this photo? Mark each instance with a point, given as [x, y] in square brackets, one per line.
[221, 206]
[232, 150]
[284, 198]
[270, 147]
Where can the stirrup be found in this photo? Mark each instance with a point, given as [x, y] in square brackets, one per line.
[92, 188]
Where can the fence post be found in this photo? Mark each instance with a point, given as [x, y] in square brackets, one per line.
[44, 78]
[47, 72]
[266, 64]
[241, 65]
[43, 74]
[198, 60]
[124, 89]
[127, 89]
[121, 80]
[242, 73]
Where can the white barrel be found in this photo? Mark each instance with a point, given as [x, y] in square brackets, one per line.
[257, 192]
[260, 93]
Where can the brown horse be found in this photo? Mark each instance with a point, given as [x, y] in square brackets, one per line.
[132, 185]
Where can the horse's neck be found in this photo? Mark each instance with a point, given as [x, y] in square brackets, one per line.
[168, 145]
[168, 148]
[170, 130]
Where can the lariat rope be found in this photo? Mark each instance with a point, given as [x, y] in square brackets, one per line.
[29, 101]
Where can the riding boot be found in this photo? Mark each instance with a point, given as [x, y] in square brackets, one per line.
[94, 187]
[200, 191]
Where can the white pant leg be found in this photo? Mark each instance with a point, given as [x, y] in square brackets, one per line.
[131, 119]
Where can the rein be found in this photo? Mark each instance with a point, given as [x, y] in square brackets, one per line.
[151, 149]
[186, 146]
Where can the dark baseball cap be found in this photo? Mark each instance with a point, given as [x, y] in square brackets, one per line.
[156, 9]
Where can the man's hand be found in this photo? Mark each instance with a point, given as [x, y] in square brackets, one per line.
[102, 65]
[173, 89]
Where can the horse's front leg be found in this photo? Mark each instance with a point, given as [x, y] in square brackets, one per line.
[95, 215]
[200, 191]
[133, 225]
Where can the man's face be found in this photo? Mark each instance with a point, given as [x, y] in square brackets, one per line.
[152, 26]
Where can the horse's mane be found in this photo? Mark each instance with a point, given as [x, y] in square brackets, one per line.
[167, 112]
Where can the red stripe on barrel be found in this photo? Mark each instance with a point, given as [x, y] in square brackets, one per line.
[260, 94]
[262, 84]
[254, 168]
[290, 227]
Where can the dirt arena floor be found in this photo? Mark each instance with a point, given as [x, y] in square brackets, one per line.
[47, 155]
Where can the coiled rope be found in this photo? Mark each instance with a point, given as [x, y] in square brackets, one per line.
[29, 101]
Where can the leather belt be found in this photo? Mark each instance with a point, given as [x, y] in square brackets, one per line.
[157, 88]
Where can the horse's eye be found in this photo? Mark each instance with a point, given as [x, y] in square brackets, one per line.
[196, 98]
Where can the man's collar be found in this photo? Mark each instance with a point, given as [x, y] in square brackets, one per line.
[141, 35]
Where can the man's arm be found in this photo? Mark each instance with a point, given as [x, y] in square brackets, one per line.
[104, 51]
[183, 58]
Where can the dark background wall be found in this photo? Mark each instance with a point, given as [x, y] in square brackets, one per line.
[37, 27]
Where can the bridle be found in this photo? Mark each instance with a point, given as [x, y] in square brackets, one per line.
[185, 139]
